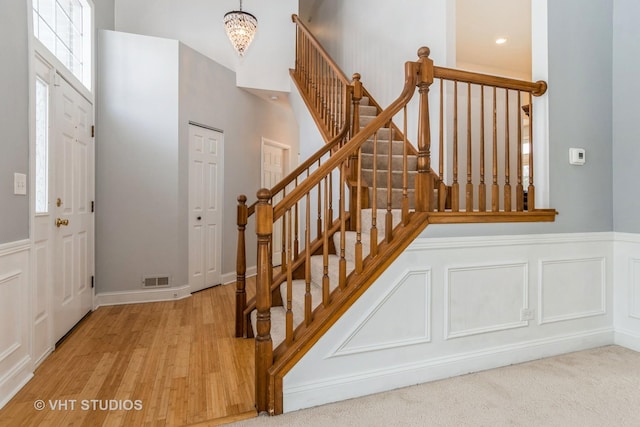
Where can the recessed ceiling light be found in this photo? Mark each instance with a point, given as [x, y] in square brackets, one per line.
[501, 40]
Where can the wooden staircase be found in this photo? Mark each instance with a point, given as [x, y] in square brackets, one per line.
[346, 213]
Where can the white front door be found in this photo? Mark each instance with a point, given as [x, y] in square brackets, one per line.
[73, 168]
[205, 207]
[273, 170]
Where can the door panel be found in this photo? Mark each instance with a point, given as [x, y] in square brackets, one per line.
[272, 173]
[73, 258]
[205, 207]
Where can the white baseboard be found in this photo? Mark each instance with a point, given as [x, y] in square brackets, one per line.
[231, 277]
[136, 297]
[342, 388]
[14, 380]
[627, 339]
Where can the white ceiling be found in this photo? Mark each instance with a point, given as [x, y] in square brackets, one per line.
[480, 22]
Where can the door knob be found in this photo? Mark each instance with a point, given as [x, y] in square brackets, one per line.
[199, 218]
[60, 222]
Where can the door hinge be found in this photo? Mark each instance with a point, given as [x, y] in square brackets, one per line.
[93, 131]
[93, 206]
[92, 280]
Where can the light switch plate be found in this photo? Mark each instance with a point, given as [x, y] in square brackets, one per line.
[19, 184]
[577, 156]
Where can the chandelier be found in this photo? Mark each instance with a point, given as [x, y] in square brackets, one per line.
[241, 27]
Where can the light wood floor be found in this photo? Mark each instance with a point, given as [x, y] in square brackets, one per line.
[180, 359]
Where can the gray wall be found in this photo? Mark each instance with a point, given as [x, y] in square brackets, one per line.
[14, 118]
[626, 129]
[137, 227]
[150, 89]
[208, 95]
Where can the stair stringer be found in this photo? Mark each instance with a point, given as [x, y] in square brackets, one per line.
[286, 356]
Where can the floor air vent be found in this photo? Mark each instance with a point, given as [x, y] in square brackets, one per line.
[155, 282]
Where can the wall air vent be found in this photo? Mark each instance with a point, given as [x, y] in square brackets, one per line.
[155, 282]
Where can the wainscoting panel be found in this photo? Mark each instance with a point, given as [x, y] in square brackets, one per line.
[627, 290]
[634, 288]
[408, 301]
[15, 361]
[450, 306]
[572, 289]
[480, 299]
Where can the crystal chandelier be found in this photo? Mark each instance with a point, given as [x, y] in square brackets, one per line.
[241, 27]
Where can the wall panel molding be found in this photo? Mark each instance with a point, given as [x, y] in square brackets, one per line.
[570, 289]
[16, 367]
[634, 288]
[408, 300]
[490, 298]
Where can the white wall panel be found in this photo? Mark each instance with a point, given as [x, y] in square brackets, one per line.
[15, 321]
[408, 302]
[478, 287]
[634, 288]
[572, 289]
[482, 299]
[627, 290]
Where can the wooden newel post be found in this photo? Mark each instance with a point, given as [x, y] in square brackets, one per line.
[264, 345]
[357, 97]
[241, 266]
[424, 179]
[353, 159]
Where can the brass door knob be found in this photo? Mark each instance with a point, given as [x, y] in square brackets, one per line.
[60, 222]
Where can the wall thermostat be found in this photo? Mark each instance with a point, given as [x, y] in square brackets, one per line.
[577, 156]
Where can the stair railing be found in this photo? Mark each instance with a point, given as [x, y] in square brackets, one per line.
[485, 140]
[369, 253]
[321, 82]
[316, 190]
[244, 212]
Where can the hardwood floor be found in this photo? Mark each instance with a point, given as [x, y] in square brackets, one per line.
[178, 360]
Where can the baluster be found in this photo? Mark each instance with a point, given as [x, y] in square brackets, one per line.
[307, 263]
[289, 315]
[495, 189]
[330, 201]
[358, 214]
[319, 220]
[284, 262]
[388, 230]
[373, 244]
[482, 188]
[241, 265]
[342, 268]
[263, 343]
[507, 160]
[424, 179]
[531, 196]
[519, 187]
[325, 249]
[469, 189]
[455, 186]
[296, 227]
[442, 188]
[405, 172]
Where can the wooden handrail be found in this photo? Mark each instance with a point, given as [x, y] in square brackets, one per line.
[536, 89]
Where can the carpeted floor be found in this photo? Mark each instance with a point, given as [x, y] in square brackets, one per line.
[598, 387]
